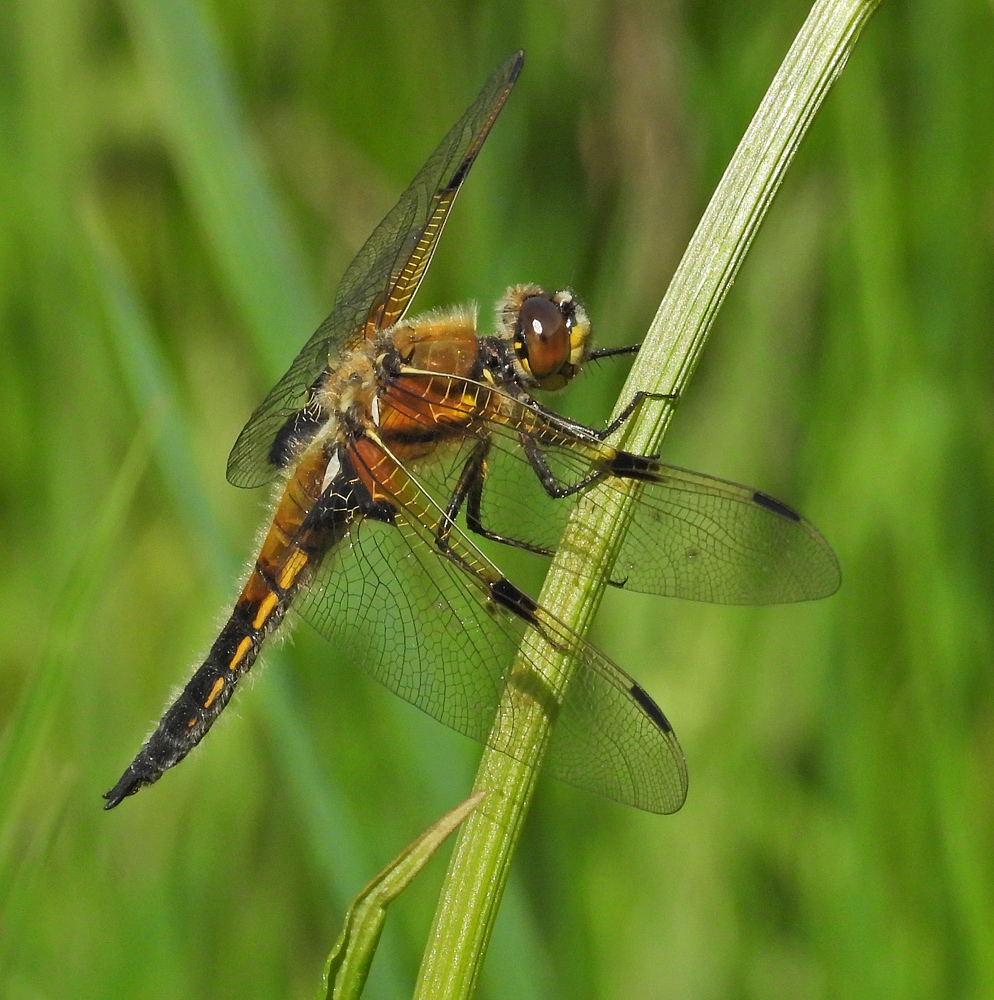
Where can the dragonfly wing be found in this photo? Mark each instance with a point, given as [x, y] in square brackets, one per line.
[380, 282]
[706, 539]
[691, 536]
[431, 631]
[402, 245]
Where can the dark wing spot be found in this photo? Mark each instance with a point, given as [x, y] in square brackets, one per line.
[381, 511]
[455, 181]
[651, 708]
[774, 506]
[631, 466]
[412, 435]
[506, 594]
[347, 496]
[294, 434]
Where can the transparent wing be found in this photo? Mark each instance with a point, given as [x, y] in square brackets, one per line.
[429, 630]
[692, 535]
[380, 283]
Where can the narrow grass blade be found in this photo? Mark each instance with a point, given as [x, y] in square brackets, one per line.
[350, 959]
[479, 868]
[255, 249]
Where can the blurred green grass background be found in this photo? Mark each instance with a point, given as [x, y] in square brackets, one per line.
[182, 184]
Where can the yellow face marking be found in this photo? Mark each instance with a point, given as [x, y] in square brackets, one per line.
[243, 647]
[215, 691]
[296, 562]
[265, 609]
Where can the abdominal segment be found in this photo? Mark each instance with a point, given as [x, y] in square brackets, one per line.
[304, 527]
[187, 720]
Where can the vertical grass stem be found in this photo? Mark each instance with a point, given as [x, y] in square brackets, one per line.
[479, 867]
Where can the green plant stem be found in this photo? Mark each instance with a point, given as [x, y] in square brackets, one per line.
[349, 962]
[479, 867]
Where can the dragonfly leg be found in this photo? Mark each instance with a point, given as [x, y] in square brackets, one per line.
[624, 465]
[469, 491]
[575, 427]
[633, 405]
[612, 352]
[547, 477]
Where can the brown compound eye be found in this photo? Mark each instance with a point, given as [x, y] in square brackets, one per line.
[543, 340]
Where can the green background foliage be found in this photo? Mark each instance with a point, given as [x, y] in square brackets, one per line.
[182, 184]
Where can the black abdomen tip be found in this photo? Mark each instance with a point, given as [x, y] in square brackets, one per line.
[128, 785]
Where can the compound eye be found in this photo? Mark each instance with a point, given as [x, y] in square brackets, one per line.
[544, 336]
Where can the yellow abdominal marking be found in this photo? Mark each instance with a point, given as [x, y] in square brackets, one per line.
[265, 609]
[296, 562]
[215, 691]
[243, 647]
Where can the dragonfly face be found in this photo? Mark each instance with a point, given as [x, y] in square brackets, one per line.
[399, 439]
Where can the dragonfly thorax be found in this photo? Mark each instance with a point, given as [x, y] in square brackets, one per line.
[443, 341]
[353, 385]
[548, 334]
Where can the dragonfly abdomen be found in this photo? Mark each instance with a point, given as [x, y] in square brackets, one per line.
[301, 532]
[258, 611]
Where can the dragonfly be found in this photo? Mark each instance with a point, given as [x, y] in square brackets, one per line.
[397, 440]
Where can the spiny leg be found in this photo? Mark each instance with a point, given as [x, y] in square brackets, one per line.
[469, 491]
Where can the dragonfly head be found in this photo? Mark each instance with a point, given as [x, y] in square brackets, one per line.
[548, 334]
